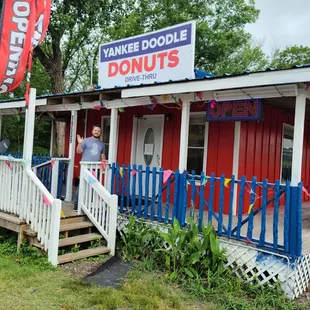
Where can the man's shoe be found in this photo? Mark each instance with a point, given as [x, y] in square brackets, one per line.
[75, 207]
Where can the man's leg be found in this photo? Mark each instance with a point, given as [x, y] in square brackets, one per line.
[76, 199]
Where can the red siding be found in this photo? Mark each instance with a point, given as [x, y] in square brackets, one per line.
[260, 142]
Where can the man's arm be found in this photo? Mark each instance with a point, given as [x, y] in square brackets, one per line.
[79, 148]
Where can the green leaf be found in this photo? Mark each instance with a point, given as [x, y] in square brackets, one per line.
[188, 272]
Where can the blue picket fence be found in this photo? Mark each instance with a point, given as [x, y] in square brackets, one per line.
[264, 214]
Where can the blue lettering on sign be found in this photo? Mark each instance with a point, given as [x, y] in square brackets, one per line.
[146, 44]
[142, 77]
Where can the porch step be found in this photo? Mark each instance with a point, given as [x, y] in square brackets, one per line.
[75, 226]
[79, 239]
[70, 257]
[76, 219]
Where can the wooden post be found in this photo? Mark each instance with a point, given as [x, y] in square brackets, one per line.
[235, 170]
[112, 147]
[54, 236]
[29, 128]
[72, 140]
[52, 139]
[184, 136]
[55, 173]
[295, 223]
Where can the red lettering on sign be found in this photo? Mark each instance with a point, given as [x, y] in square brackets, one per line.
[150, 68]
[124, 67]
[147, 63]
[226, 107]
[137, 65]
[216, 111]
[173, 59]
[252, 108]
[162, 57]
[113, 69]
[238, 109]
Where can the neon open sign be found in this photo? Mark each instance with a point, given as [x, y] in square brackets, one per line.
[241, 110]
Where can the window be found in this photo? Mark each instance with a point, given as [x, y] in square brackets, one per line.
[287, 152]
[196, 158]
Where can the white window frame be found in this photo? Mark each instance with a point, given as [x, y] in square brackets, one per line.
[103, 117]
[285, 125]
[206, 141]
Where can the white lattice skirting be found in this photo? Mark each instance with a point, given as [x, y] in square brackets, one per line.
[250, 263]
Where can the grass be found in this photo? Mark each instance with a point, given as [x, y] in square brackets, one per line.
[27, 281]
[30, 285]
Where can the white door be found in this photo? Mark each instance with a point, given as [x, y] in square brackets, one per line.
[149, 145]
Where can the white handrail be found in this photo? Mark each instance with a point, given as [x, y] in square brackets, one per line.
[23, 194]
[99, 205]
[42, 212]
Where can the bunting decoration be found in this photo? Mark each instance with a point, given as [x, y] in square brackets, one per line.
[121, 110]
[226, 182]
[103, 165]
[53, 161]
[199, 95]
[134, 172]
[165, 97]
[305, 191]
[251, 206]
[205, 180]
[46, 200]
[167, 174]
[121, 172]
[9, 165]
[94, 173]
[97, 107]
[92, 180]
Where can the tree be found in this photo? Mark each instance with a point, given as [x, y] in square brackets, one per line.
[220, 24]
[247, 58]
[287, 58]
[72, 23]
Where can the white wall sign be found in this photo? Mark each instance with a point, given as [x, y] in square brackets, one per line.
[148, 149]
[159, 56]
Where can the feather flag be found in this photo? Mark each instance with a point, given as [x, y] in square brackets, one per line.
[23, 27]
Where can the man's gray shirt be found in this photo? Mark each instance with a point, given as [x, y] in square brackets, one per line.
[92, 149]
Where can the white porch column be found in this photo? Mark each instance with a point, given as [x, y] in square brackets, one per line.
[112, 156]
[29, 127]
[235, 170]
[72, 140]
[0, 127]
[52, 139]
[184, 136]
[299, 124]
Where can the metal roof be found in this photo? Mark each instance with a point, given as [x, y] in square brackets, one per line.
[199, 75]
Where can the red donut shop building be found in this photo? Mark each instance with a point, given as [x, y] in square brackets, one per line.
[232, 150]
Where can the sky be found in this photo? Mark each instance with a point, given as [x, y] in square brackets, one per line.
[281, 23]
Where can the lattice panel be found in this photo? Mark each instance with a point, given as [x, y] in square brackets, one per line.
[302, 275]
[250, 263]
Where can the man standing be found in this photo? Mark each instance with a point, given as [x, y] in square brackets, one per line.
[92, 150]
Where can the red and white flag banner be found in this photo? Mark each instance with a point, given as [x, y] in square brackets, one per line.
[23, 26]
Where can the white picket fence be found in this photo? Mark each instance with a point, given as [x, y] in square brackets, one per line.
[23, 194]
[97, 203]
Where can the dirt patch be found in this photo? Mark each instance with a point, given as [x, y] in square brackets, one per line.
[304, 300]
[83, 268]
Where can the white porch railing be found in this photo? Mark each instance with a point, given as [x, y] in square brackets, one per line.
[98, 204]
[23, 194]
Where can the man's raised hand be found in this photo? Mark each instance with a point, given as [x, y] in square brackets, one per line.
[79, 139]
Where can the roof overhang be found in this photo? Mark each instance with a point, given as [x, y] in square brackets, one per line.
[260, 79]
